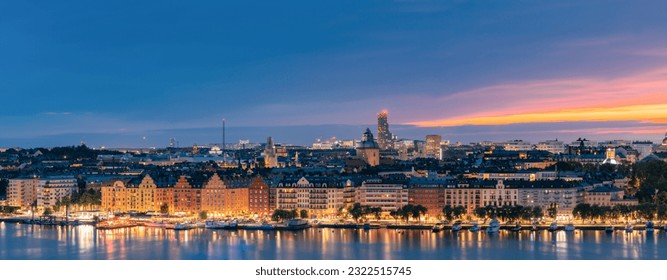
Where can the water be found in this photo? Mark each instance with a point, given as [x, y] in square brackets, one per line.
[22, 242]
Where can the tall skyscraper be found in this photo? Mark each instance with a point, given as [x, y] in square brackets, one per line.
[385, 138]
[433, 146]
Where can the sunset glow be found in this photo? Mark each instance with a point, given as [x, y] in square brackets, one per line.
[647, 113]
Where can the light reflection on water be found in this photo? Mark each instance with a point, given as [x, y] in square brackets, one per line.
[85, 242]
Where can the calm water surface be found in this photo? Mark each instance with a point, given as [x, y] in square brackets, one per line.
[19, 241]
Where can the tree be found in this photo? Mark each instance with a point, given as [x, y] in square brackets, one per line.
[164, 208]
[647, 211]
[376, 212]
[458, 212]
[481, 213]
[536, 213]
[203, 215]
[448, 212]
[418, 211]
[406, 212]
[303, 213]
[395, 214]
[552, 212]
[47, 211]
[356, 211]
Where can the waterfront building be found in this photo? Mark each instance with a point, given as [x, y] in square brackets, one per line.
[115, 196]
[42, 192]
[389, 195]
[428, 192]
[433, 146]
[480, 193]
[213, 195]
[385, 138]
[368, 149]
[559, 194]
[320, 196]
[607, 196]
[258, 197]
[235, 196]
[187, 195]
[141, 196]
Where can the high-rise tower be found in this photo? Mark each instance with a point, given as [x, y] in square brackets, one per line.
[385, 138]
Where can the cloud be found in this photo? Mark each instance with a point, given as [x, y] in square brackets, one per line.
[638, 97]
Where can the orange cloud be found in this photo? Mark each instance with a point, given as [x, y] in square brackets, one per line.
[649, 113]
[639, 97]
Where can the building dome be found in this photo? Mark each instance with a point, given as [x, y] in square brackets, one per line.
[367, 141]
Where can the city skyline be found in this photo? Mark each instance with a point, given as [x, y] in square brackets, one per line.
[109, 76]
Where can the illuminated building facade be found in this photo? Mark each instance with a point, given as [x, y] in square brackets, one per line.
[385, 138]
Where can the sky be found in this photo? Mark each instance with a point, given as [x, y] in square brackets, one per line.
[123, 73]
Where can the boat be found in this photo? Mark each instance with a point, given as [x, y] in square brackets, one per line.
[438, 227]
[494, 226]
[297, 224]
[114, 224]
[517, 227]
[569, 227]
[609, 229]
[220, 225]
[161, 224]
[553, 226]
[184, 226]
[629, 227]
[475, 227]
[456, 226]
[534, 227]
[258, 226]
[650, 227]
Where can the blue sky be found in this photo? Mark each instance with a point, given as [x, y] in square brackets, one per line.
[70, 70]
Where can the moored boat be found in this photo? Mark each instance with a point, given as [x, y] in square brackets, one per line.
[650, 227]
[456, 226]
[117, 224]
[553, 226]
[161, 224]
[296, 224]
[221, 225]
[438, 227]
[569, 227]
[475, 227]
[494, 226]
[609, 229]
[517, 227]
[184, 226]
[629, 227]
